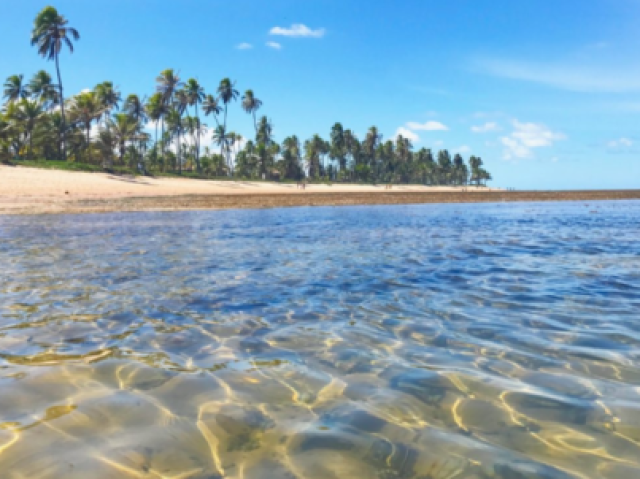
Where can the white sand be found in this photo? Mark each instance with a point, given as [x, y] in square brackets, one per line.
[18, 183]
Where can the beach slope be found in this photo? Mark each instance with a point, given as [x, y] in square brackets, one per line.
[36, 191]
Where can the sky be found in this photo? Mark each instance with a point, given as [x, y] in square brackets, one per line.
[546, 92]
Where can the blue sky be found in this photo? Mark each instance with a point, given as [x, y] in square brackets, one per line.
[547, 92]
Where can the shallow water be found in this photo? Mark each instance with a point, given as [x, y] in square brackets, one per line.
[432, 341]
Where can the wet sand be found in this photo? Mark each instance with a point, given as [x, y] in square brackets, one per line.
[40, 191]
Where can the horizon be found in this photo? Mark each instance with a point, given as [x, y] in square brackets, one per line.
[531, 89]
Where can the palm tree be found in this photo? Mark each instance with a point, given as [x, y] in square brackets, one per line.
[475, 162]
[210, 106]
[27, 115]
[155, 111]
[49, 31]
[265, 131]
[174, 130]
[166, 84]
[108, 96]
[370, 144]
[15, 89]
[106, 144]
[42, 88]
[181, 103]
[124, 129]
[291, 157]
[444, 166]
[85, 108]
[251, 105]
[338, 146]
[136, 108]
[195, 95]
[227, 94]
[221, 139]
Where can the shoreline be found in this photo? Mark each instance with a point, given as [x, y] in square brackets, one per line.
[26, 206]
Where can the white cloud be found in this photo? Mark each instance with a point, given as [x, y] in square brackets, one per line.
[428, 126]
[244, 46]
[486, 128]
[582, 77]
[406, 133]
[298, 30]
[513, 149]
[620, 143]
[535, 135]
[274, 45]
[527, 136]
[463, 149]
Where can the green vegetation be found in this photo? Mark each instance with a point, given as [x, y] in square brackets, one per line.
[96, 131]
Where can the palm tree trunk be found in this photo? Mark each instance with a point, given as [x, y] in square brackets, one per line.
[64, 122]
[179, 150]
[88, 128]
[255, 124]
[30, 143]
[162, 137]
[198, 140]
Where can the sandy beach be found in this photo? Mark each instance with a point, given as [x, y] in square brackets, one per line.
[37, 191]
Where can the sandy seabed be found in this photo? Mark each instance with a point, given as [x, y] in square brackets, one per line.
[37, 191]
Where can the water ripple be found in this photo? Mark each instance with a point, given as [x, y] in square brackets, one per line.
[427, 342]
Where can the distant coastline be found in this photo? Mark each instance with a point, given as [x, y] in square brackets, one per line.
[39, 191]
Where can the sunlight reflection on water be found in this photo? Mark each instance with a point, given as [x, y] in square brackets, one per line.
[432, 341]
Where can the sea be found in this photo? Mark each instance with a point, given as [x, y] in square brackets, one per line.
[483, 341]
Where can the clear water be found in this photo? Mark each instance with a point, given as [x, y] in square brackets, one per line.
[435, 341]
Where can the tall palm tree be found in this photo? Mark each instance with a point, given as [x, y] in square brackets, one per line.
[15, 89]
[174, 129]
[106, 144]
[265, 131]
[251, 105]
[166, 84]
[221, 138]
[42, 88]
[211, 106]
[181, 103]
[124, 129]
[291, 157]
[49, 31]
[195, 94]
[85, 108]
[155, 111]
[108, 96]
[338, 146]
[135, 108]
[227, 94]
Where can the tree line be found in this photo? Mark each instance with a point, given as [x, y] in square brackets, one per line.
[103, 127]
